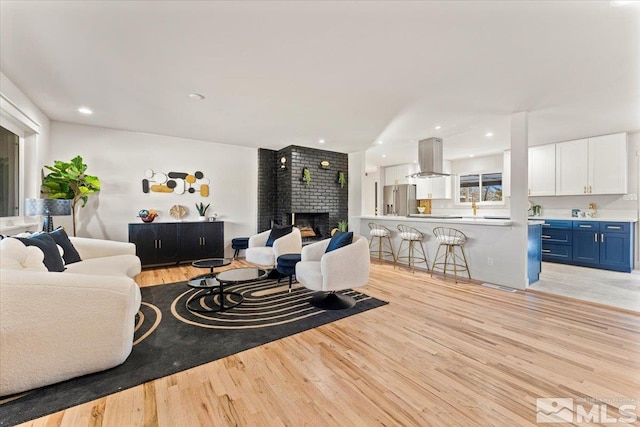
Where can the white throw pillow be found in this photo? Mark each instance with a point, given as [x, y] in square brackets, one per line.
[15, 255]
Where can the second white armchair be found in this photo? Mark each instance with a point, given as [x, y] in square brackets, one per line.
[259, 253]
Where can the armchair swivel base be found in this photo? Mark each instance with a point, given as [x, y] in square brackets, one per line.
[332, 301]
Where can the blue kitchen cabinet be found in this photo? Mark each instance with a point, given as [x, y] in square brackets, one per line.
[557, 241]
[607, 245]
[586, 242]
[616, 246]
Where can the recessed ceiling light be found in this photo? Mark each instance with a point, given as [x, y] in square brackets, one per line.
[415, 161]
[380, 142]
[321, 141]
[488, 134]
[86, 111]
[470, 155]
[384, 155]
[438, 127]
[196, 96]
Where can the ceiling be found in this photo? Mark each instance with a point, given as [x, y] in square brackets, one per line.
[352, 73]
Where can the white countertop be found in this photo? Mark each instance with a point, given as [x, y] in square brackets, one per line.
[573, 218]
[424, 218]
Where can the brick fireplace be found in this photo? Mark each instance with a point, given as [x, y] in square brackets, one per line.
[285, 198]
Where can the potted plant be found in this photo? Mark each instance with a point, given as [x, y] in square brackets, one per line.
[342, 180]
[202, 210]
[306, 176]
[343, 226]
[69, 181]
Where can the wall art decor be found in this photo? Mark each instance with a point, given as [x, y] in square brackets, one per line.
[175, 182]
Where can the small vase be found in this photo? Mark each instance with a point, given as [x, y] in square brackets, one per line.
[202, 218]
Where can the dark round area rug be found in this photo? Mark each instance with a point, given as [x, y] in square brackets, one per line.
[169, 339]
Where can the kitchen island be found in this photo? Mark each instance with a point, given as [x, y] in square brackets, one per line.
[489, 247]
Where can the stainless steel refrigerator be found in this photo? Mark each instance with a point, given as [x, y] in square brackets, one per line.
[399, 200]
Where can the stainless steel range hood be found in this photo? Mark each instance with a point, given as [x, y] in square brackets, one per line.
[430, 159]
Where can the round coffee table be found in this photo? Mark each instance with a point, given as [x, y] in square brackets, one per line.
[211, 263]
[205, 285]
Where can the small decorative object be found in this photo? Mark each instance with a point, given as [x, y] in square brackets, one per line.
[537, 209]
[324, 164]
[202, 210]
[148, 215]
[421, 209]
[306, 175]
[68, 180]
[342, 179]
[177, 212]
[593, 210]
[343, 226]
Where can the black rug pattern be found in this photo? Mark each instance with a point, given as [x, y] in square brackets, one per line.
[169, 339]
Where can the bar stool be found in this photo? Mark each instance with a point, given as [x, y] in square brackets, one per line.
[451, 239]
[381, 235]
[413, 237]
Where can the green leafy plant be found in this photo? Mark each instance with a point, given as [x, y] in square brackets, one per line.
[343, 225]
[69, 181]
[306, 175]
[342, 179]
[202, 209]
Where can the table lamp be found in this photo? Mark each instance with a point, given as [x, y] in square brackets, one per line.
[47, 207]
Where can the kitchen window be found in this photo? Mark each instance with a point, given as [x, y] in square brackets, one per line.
[484, 188]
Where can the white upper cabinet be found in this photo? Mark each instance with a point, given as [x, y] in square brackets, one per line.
[542, 173]
[398, 174]
[592, 165]
[608, 164]
[572, 167]
[435, 188]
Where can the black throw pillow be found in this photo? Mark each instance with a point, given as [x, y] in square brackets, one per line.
[70, 254]
[339, 240]
[52, 259]
[277, 232]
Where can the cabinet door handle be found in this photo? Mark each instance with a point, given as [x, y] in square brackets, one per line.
[614, 227]
[546, 236]
[584, 226]
[529, 191]
[155, 243]
[546, 251]
[589, 189]
[160, 243]
[595, 237]
[204, 241]
[602, 238]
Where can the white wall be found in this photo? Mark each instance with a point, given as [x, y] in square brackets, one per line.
[119, 158]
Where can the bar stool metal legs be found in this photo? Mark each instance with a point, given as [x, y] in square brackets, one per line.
[380, 236]
[414, 252]
[450, 239]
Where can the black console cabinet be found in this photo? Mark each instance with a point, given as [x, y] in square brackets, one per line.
[175, 242]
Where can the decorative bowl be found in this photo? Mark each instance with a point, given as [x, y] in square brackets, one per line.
[149, 218]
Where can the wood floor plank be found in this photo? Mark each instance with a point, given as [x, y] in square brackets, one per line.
[439, 354]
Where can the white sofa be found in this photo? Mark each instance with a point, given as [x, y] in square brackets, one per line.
[57, 326]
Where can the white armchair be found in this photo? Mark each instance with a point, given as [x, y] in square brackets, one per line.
[343, 268]
[259, 253]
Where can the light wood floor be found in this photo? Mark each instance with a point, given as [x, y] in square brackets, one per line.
[440, 354]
